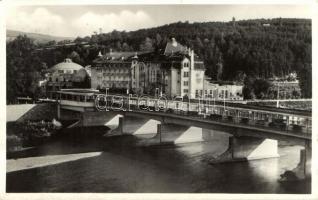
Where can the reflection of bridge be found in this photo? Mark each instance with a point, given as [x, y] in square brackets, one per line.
[252, 133]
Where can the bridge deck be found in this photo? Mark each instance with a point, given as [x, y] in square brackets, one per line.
[232, 124]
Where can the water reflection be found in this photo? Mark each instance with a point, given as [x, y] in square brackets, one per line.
[123, 167]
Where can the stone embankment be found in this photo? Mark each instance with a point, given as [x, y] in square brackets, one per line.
[27, 124]
[31, 112]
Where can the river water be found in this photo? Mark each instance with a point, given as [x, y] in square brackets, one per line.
[115, 164]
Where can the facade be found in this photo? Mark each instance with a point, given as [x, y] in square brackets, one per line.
[175, 71]
[112, 70]
[220, 91]
[285, 90]
[65, 75]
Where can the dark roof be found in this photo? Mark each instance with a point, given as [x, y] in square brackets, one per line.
[118, 57]
[157, 57]
[174, 52]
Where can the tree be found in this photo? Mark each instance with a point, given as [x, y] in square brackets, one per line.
[240, 77]
[261, 88]
[305, 81]
[248, 90]
[23, 69]
[147, 45]
[75, 57]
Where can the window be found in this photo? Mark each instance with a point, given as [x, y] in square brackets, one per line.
[186, 83]
[185, 90]
[185, 64]
[60, 71]
[74, 71]
[186, 74]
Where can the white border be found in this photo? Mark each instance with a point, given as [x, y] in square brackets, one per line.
[94, 196]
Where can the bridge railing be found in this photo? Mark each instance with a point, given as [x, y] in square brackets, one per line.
[204, 110]
[269, 119]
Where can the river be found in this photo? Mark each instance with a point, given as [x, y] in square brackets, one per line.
[115, 164]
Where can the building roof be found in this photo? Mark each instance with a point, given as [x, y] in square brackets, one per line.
[79, 91]
[173, 52]
[67, 64]
[121, 56]
[174, 47]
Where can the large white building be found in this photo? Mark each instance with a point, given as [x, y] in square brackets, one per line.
[175, 71]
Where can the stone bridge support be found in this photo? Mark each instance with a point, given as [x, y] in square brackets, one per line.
[242, 148]
[131, 125]
[303, 169]
[168, 133]
[109, 119]
[177, 134]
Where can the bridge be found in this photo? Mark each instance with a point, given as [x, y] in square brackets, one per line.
[251, 132]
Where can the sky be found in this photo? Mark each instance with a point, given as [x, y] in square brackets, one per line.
[80, 20]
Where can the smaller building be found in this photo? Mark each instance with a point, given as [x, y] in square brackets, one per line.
[285, 90]
[66, 74]
[219, 91]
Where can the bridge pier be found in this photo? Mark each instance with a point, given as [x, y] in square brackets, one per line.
[109, 119]
[130, 125]
[243, 148]
[303, 169]
[177, 134]
[168, 133]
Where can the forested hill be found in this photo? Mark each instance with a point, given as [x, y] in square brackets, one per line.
[235, 50]
[261, 48]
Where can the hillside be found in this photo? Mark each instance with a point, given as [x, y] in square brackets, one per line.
[38, 38]
[263, 48]
[249, 51]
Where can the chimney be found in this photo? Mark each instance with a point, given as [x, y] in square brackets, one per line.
[100, 54]
[110, 51]
[192, 59]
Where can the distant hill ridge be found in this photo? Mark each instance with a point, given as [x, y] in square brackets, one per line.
[38, 38]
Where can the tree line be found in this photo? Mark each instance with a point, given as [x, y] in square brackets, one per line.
[243, 50]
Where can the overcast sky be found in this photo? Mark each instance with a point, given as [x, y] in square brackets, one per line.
[84, 20]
